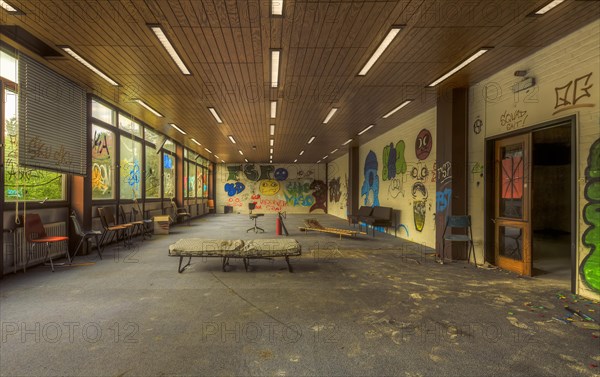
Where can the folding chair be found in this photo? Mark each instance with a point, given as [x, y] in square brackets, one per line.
[110, 226]
[147, 223]
[86, 235]
[35, 234]
[459, 222]
[135, 224]
[180, 213]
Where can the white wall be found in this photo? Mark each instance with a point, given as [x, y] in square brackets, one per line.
[408, 182]
[568, 82]
[337, 178]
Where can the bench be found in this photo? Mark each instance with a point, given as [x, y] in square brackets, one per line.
[226, 249]
[381, 216]
[363, 213]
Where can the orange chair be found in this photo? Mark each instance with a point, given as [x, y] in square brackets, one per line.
[35, 234]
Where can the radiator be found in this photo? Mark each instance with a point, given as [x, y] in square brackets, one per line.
[15, 247]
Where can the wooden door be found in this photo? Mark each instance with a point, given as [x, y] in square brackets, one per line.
[512, 204]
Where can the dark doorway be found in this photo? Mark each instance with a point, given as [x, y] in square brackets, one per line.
[551, 207]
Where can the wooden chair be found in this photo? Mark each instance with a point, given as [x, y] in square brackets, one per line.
[137, 210]
[86, 236]
[463, 222]
[136, 225]
[110, 226]
[35, 234]
[180, 213]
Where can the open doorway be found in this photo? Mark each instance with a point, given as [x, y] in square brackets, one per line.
[551, 214]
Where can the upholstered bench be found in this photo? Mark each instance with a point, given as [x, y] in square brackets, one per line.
[225, 249]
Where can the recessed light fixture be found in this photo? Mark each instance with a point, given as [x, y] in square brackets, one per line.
[301, 153]
[271, 150]
[275, 55]
[312, 138]
[347, 142]
[242, 153]
[325, 157]
[318, 162]
[245, 159]
[296, 160]
[398, 108]
[231, 138]
[9, 8]
[270, 157]
[177, 128]
[366, 129]
[214, 113]
[461, 65]
[333, 151]
[162, 37]
[270, 161]
[331, 113]
[273, 109]
[276, 7]
[208, 150]
[196, 141]
[222, 161]
[382, 47]
[77, 57]
[548, 7]
[148, 107]
[272, 129]
[271, 142]
[217, 157]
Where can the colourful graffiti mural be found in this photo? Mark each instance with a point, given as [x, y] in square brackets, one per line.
[320, 194]
[371, 182]
[335, 192]
[419, 193]
[394, 162]
[269, 187]
[423, 144]
[590, 266]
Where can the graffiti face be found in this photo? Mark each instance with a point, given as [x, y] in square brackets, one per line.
[269, 187]
[234, 188]
[419, 193]
[477, 126]
[320, 194]
[423, 144]
[591, 236]
[281, 174]
[371, 182]
[394, 162]
[334, 190]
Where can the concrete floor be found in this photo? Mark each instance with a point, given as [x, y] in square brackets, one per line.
[355, 307]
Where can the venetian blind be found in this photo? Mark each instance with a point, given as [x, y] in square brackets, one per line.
[52, 120]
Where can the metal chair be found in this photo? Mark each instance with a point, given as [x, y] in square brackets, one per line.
[459, 222]
[86, 235]
[180, 213]
[254, 216]
[136, 225]
[110, 226]
[147, 227]
[35, 234]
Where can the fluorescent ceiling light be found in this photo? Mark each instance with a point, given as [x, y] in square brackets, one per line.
[217, 157]
[245, 159]
[147, 107]
[271, 142]
[214, 113]
[272, 129]
[162, 37]
[312, 138]
[231, 138]
[366, 129]
[347, 142]
[270, 157]
[69, 51]
[9, 8]
[275, 54]
[208, 150]
[551, 5]
[177, 128]
[271, 150]
[331, 113]
[398, 108]
[301, 153]
[271, 161]
[325, 157]
[222, 161]
[318, 162]
[296, 160]
[277, 7]
[377, 54]
[333, 151]
[242, 153]
[460, 66]
[273, 109]
[196, 141]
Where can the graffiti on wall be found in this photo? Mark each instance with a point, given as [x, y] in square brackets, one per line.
[233, 189]
[320, 194]
[268, 187]
[574, 94]
[370, 186]
[590, 266]
[299, 194]
[513, 120]
[394, 162]
[423, 144]
[335, 193]
[419, 193]
[477, 126]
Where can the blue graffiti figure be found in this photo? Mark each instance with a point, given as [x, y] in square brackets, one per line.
[281, 174]
[168, 161]
[133, 179]
[371, 182]
[233, 189]
[442, 199]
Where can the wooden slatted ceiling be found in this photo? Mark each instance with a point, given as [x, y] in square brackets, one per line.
[226, 45]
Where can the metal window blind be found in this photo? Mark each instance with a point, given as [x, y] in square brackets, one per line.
[52, 120]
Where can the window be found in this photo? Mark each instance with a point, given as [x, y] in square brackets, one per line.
[103, 113]
[191, 180]
[199, 182]
[129, 125]
[168, 176]
[130, 168]
[153, 172]
[8, 66]
[103, 163]
[151, 136]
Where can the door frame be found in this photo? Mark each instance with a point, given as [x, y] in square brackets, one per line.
[489, 194]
